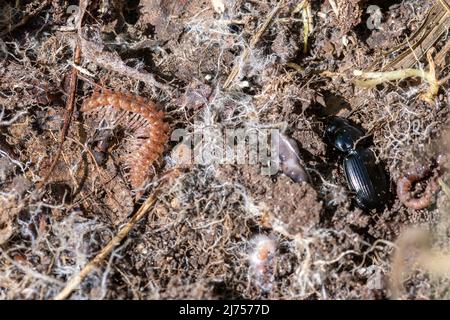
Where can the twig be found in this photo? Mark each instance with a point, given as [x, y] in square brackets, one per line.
[111, 61]
[246, 52]
[67, 117]
[104, 253]
[70, 104]
[434, 25]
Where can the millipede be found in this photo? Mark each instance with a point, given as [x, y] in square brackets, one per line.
[145, 131]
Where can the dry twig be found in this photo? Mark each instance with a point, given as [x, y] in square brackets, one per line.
[25, 18]
[70, 104]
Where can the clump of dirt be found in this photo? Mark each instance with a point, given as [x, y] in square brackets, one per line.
[244, 66]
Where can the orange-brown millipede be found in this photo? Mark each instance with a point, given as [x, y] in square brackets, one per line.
[143, 123]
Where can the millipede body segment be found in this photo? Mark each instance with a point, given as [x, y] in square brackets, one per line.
[146, 133]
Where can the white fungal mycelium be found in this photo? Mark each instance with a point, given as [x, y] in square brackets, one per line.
[261, 261]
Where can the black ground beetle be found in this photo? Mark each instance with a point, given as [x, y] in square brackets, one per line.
[364, 176]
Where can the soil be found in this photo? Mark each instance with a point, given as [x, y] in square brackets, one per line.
[198, 239]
